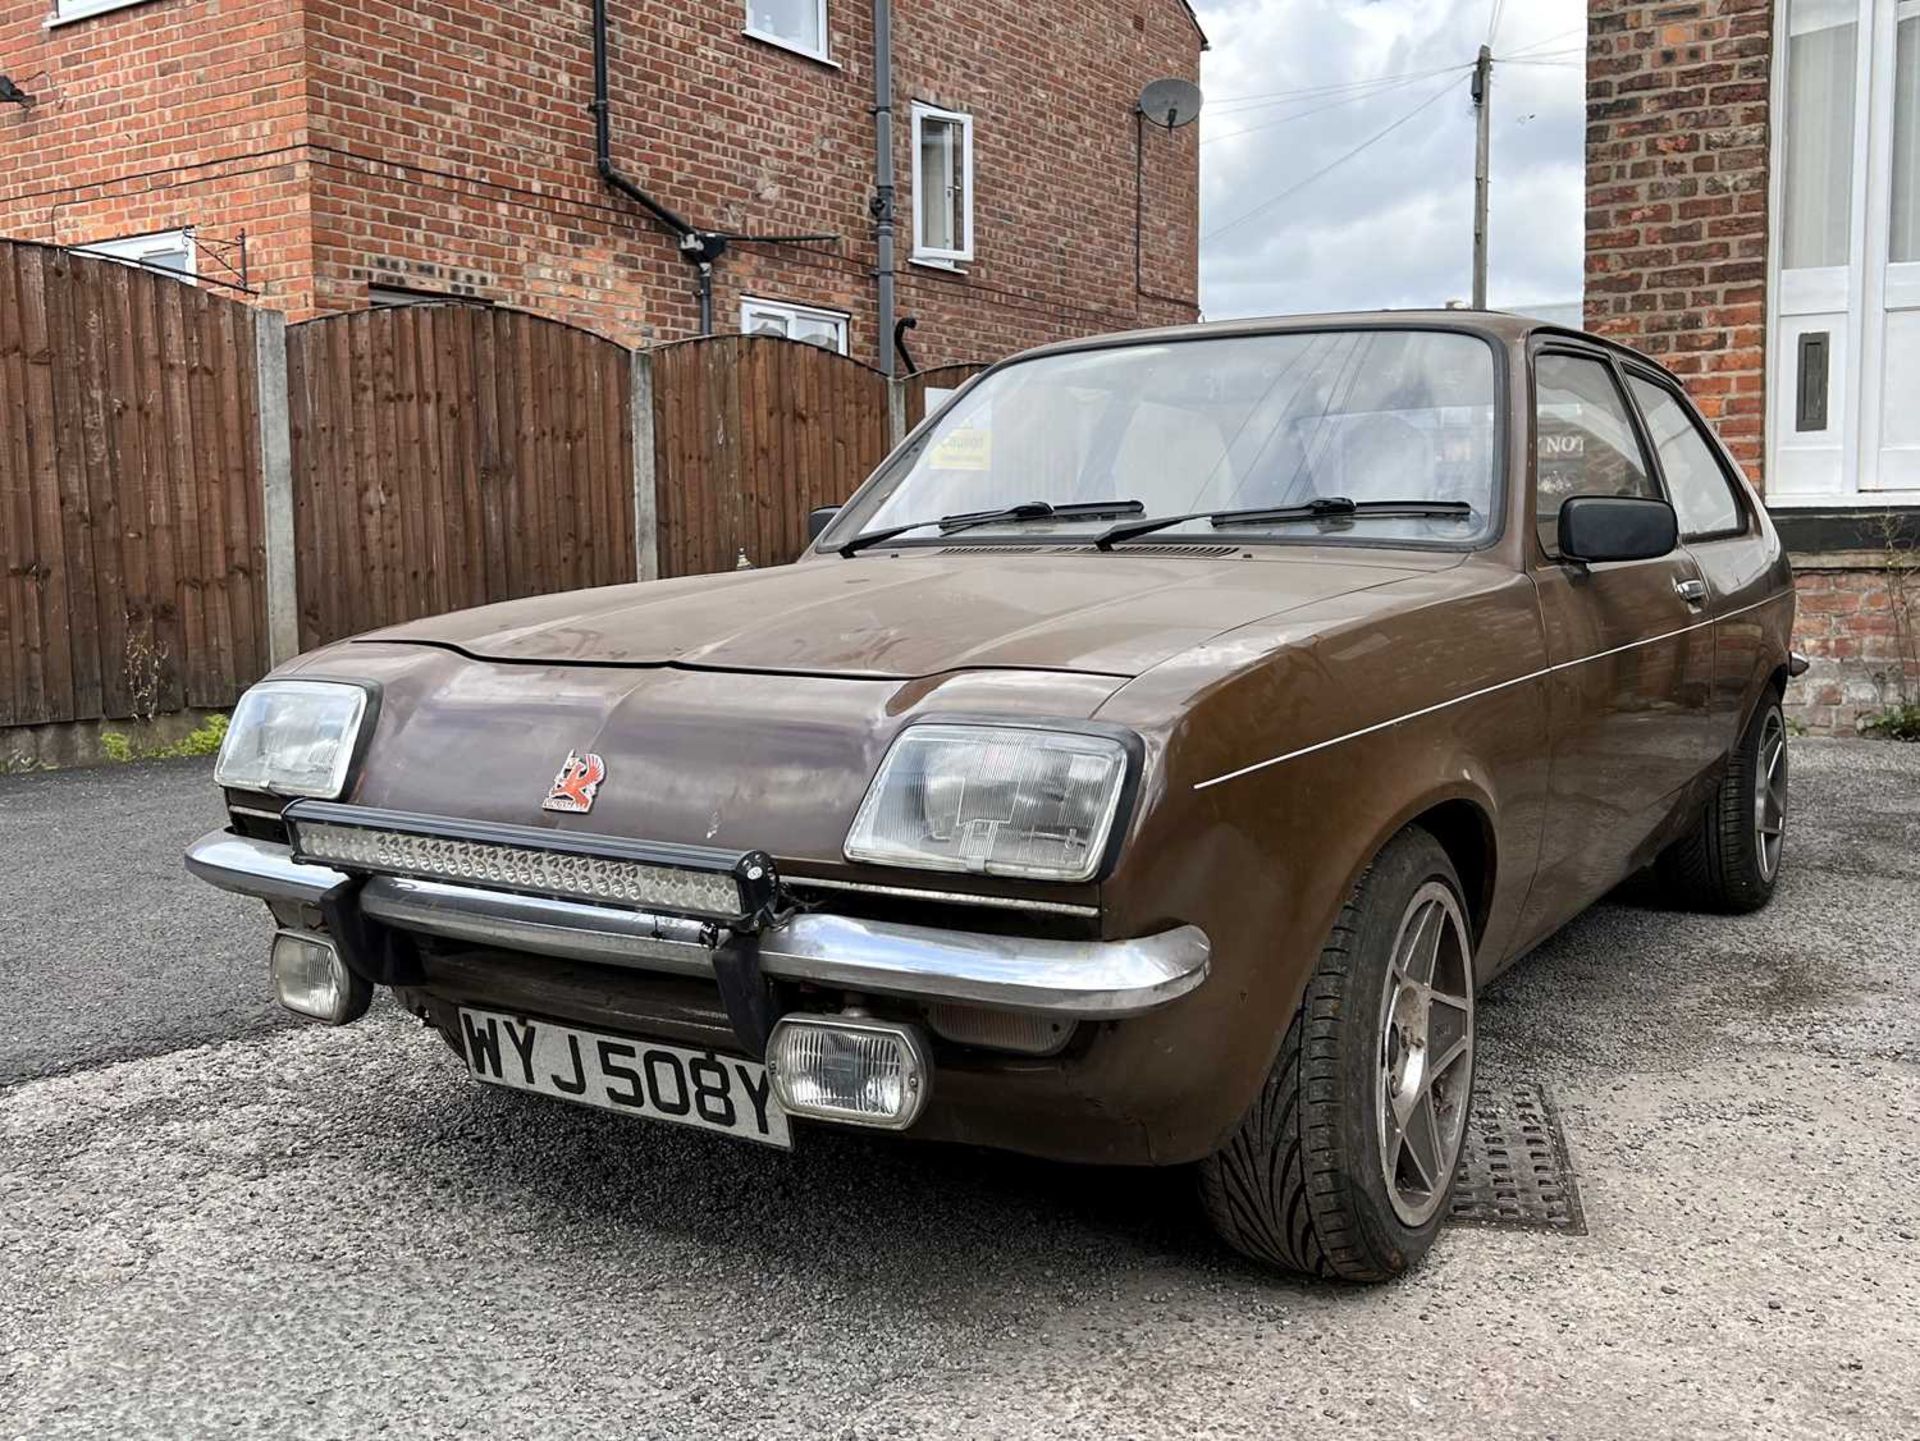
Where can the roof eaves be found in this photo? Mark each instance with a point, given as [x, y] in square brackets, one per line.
[1194, 18]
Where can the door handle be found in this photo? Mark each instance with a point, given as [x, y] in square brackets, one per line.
[1693, 592]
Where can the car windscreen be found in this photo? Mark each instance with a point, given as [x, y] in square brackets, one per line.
[1217, 424]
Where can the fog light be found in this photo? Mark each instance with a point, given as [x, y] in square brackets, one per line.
[849, 1069]
[310, 978]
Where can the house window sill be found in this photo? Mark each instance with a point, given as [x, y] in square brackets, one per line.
[92, 10]
[816, 56]
[934, 262]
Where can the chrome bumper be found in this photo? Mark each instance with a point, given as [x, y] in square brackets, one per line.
[1090, 980]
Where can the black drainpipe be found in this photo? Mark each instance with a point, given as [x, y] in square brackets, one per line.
[699, 248]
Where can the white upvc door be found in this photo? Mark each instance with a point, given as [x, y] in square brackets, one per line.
[1844, 352]
[1890, 410]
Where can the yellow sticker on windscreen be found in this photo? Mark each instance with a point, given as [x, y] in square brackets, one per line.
[965, 447]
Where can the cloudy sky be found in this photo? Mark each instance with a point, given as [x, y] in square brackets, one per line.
[1293, 86]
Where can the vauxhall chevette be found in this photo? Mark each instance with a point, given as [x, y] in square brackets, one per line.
[1146, 766]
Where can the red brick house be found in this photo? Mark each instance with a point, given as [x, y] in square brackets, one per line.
[385, 151]
[1753, 218]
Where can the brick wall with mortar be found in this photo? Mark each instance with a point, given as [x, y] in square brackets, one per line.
[449, 149]
[1678, 162]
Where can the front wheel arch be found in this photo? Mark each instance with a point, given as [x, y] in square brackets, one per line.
[1465, 832]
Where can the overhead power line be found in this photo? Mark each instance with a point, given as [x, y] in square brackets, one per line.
[1357, 150]
[1580, 30]
[1316, 110]
[1278, 97]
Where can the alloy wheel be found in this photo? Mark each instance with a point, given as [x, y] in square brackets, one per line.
[1770, 794]
[1426, 1053]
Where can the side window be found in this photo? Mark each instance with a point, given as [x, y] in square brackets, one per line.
[1696, 482]
[1584, 439]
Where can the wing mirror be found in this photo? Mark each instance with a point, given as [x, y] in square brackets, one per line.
[1616, 527]
[818, 519]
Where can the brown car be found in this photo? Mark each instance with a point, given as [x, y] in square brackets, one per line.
[1145, 766]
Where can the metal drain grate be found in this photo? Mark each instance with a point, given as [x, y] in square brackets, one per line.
[1515, 1172]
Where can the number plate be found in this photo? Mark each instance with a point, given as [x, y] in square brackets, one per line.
[617, 1073]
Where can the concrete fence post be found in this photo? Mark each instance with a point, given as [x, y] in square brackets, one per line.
[896, 412]
[276, 483]
[646, 518]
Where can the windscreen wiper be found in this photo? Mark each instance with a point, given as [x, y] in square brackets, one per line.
[1012, 514]
[1324, 507]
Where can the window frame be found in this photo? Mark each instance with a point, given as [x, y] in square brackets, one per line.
[823, 54]
[1729, 473]
[936, 255]
[116, 248]
[841, 319]
[69, 12]
[1609, 362]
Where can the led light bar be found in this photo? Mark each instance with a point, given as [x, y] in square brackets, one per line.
[680, 880]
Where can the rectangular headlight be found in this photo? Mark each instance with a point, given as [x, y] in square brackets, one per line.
[293, 738]
[994, 800]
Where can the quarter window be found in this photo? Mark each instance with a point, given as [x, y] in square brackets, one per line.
[942, 185]
[1696, 482]
[1584, 440]
[824, 328]
[797, 24]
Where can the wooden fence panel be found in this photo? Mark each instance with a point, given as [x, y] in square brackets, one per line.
[132, 554]
[442, 457]
[451, 456]
[750, 433]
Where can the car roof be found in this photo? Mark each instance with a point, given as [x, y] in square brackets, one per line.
[1500, 325]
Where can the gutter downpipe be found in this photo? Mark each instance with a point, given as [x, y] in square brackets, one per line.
[883, 184]
[699, 248]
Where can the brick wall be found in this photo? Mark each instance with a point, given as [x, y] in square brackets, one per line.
[448, 148]
[1862, 656]
[1677, 160]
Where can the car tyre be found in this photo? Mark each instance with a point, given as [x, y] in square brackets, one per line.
[1730, 861]
[1325, 1175]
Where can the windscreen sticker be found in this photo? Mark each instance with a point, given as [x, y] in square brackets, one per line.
[966, 447]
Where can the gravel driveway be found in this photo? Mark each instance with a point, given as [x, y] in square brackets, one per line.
[213, 1224]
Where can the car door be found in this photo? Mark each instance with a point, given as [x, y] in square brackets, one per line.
[1629, 648]
[1726, 536]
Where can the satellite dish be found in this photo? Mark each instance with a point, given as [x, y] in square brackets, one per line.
[1171, 103]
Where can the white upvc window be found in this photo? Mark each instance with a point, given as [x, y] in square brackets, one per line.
[164, 250]
[942, 185]
[1844, 331]
[824, 328]
[69, 10]
[792, 24]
